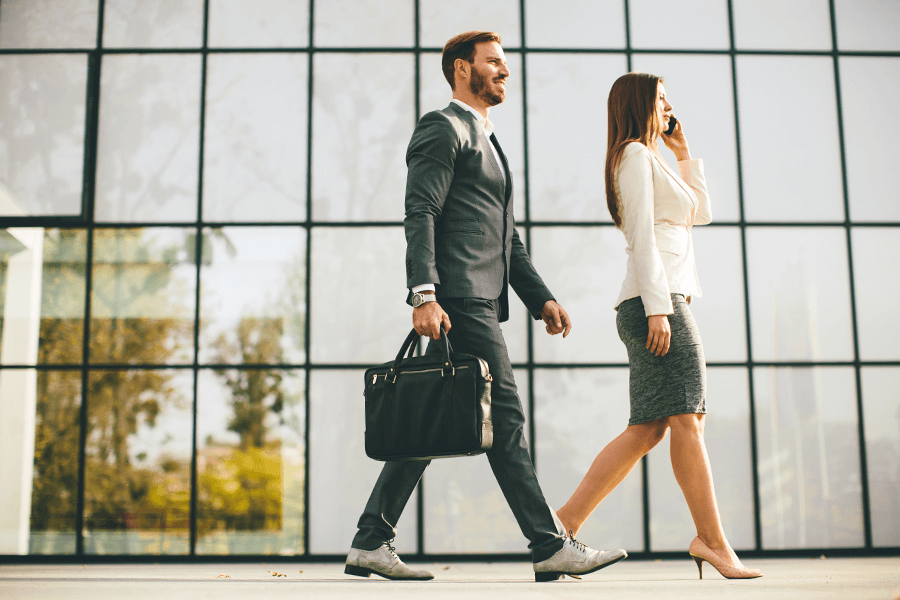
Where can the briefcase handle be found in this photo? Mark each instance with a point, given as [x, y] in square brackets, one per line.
[408, 344]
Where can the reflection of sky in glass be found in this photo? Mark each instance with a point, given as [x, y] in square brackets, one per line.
[341, 476]
[153, 23]
[727, 437]
[694, 24]
[254, 161]
[148, 144]
[789, 143]
[465, 510]
[867, 83]
[876, 269]
[809, 482]
[270, 23]
[575, 24]
[350, 23]
[567, 134]
[577, 412]
[881, 412]
[48, 24]
[799, 294]
[805, 25]
[439, 21]
[253, 273]
[870, 25]
[363, 116]
[584, 268]
[42, 108]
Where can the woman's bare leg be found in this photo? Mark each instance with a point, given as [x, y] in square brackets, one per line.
[608, 470]
[690, 463]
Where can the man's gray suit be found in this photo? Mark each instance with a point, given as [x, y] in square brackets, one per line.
[461, 236]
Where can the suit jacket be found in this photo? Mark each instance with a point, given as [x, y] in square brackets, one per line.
[459, 224]
[658, 209]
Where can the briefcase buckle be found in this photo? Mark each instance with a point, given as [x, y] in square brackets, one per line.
[451, 370]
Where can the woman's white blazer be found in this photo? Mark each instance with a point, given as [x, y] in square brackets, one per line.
[658, 209]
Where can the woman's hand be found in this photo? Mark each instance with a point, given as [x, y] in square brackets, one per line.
[677, 143]
[660, 334]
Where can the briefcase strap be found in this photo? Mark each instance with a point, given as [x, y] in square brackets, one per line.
[409, 347]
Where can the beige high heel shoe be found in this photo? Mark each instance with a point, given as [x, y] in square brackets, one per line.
[701, 552]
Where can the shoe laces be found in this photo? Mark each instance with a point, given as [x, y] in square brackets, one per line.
[578, 545]
[391, 548]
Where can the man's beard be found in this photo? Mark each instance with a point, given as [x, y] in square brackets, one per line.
[479, 86]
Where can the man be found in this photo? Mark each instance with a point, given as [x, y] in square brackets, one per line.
[463, 253]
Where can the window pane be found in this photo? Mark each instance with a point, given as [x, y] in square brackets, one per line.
[871, 181]
[42, 107]
[254, 165]
[881, 414]
[138, 462]
[142, 296]
[250, 461]
[153, 23]
[253, 304]
[566, 118]
[341, 476]
[48, 24]
[363, 117]
[694, 24]
[870, 25]
[774, 25]
[700, 88]
[788, 140]
[584, 268]
[54, 489]
[42, 296]
[799, 294]
[269, 23]
[349, 23]
[806, 428]
[149, 139]
[39, 416]
[578, 412]
[720, 313]
[439, 21]
[575, 24]
[465, 510]
[506, 117]
[876, 272]
[373, 331]
[727, 437]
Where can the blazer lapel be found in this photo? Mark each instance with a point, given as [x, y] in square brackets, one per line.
[507, 178]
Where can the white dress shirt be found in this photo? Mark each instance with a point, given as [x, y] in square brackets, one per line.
[487, 128]
[658, 209]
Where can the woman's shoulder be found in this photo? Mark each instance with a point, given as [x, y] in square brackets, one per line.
[635, 148]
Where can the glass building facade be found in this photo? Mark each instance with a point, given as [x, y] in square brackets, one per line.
[202, 249]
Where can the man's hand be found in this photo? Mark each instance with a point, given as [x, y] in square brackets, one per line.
[556, 318]
[427, 320]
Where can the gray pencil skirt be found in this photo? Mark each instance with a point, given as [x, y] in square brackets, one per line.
[662, 386]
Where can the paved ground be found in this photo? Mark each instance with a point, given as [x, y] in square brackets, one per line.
[791, 579]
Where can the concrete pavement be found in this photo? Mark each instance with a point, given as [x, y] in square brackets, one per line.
[791, 579]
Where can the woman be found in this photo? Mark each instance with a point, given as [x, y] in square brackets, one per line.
[655, 209]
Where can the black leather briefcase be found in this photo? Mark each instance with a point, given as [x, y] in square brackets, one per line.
[424, 407]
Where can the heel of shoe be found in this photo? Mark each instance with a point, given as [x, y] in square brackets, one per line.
[358, 571]
[548, 576]
[699, 562]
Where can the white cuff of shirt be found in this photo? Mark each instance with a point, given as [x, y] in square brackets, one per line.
[425, 287]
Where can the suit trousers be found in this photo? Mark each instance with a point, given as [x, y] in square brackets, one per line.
[475, 329]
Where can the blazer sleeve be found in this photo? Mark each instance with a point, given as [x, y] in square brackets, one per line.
[692, 174]
[525, 281]
[430, 159]
[635, 179]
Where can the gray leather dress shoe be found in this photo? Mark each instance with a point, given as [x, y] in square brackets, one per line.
[383, 561]
[574, 558]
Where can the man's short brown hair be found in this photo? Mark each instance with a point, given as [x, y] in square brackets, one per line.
[463, 46]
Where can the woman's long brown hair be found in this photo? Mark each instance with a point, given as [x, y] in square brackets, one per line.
[631, 117]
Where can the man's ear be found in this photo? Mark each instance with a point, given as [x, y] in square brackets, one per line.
[460, 66]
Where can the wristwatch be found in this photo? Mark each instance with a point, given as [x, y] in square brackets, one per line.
[420, 299]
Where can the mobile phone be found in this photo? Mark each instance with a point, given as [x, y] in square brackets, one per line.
[672, 123]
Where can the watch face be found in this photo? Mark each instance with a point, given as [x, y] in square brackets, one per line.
[417, 300]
